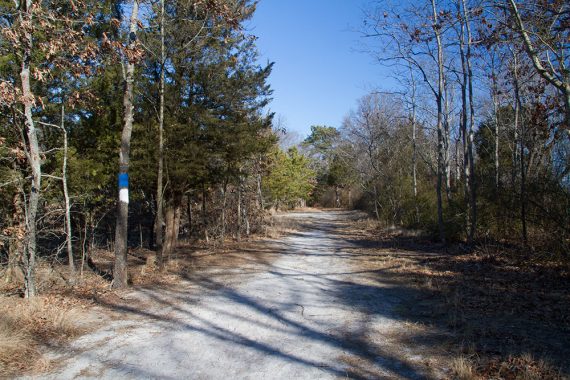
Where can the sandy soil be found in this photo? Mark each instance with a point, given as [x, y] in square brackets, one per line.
[309, 312]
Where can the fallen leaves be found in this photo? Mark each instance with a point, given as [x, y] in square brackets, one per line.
[508, 307]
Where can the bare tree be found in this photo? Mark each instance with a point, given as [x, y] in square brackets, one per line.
[467, 126]
[519, 128]
[439, 93]
[408, 40]
[68, 232]
[495, 100]
[546, 43]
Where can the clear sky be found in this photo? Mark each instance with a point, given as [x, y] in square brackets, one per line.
[318, 75]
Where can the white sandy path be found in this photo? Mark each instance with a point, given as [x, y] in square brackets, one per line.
[293, 319]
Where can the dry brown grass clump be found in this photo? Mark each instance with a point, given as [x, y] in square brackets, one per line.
[279, 225]
[463, 369]
[28, 325]
[522, 367]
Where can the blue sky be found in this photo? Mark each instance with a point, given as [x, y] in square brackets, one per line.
[318, 75]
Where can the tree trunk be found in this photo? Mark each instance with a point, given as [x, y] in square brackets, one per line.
[190, 216]
[172, 218]
[152, 228]
[259, 192]
[246, 218]
[463, 124]
[204, 213]
[68, 231]
[33, 156]
[223, 190]
[239, 209]
[120, 275]
[518, 108]
[176, 229]
[446, 144]
[376, 211]
[414, 146]
[83, 241]
[336, 197]
[440, 147]
[170, 221]
[159, 190]
[495, 94]
[472, 187]
[18, 222]
[523, 187]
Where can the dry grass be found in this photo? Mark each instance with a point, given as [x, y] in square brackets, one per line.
[503, 314]
[27, 326]
[521, 367]
[17, 349]
[458, 293]
[279, 225]
[463, 369]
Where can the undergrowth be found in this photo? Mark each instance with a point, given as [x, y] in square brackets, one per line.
[504, 309]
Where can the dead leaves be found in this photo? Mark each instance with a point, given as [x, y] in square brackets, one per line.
[493, 301]
[517, 367]
[8, 93]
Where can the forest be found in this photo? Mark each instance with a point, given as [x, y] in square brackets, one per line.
[144, 123]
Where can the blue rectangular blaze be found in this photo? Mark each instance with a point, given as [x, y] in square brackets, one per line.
[123, 181]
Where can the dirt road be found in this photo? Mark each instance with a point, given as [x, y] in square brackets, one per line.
[308, 312]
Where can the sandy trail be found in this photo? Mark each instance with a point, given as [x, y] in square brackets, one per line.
[309, 314]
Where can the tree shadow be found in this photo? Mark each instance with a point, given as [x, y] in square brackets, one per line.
[491, 307]
[398, 304]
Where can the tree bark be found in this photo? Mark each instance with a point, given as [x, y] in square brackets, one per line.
[336, 197]
[223, 190]
[68, 232]
[159, 190]
[170, 221]
[464, 122]
[204, 213]
[239, 209]
[120, 274]
[518, 109]
[414, 146]
[446, 142]
[246, 218]
[33, 155]
[472, 187]
[376, 211]
[496, 119]
[440, 147]
[260, 193]
[176, 229]
[14, 271]
[190, 216]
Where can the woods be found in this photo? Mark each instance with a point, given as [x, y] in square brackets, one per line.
[148, 174]
[473, 142]
[173, 88]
